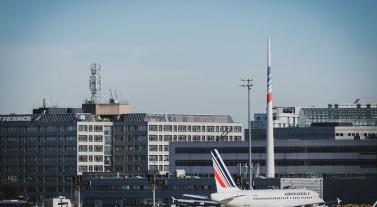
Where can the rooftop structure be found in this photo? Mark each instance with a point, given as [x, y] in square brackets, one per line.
[357, 114]
[282, 117]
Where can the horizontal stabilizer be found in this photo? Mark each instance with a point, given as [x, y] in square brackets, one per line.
[196, 196]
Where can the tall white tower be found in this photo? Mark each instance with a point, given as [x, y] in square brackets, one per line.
[95, 83]
[270, 164]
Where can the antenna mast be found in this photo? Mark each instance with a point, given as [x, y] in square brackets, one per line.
[95, 82]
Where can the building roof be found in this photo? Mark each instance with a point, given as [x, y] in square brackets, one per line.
[39, 118]
[142, 117]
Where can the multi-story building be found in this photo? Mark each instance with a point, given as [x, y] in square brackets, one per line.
[354, 114]
[141, 141]
[41, 152]
[94, 146]
[282, 117]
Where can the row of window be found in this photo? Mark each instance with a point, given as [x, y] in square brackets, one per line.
[90, 158]
[130, 128]
[90, 128]
[130, 148]
[90, 138]
[39, 149]
[148, 187]
[37, 169]
[291, 162]
[194, 128]
[90, 168]
[130, 158]
[159, 167]
[90, 148]
[130, 138]
[155, 158]
[189, 138]
[159, 148]
[303, 149]
[39, 139]
[36, 129]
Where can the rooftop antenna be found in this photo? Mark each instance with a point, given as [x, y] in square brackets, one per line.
[111, 97]
[44, 102]
[95, 83]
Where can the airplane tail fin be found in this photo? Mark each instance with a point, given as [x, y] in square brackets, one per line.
[224, 181]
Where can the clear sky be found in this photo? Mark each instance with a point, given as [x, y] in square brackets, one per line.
[187, 56]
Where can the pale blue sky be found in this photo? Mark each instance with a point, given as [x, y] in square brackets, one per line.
[187, 56]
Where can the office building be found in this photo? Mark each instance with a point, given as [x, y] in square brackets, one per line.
[141, 141]
[356, 114]
[41, 152]
[282, 117]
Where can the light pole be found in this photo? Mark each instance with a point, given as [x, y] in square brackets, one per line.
[248, 84]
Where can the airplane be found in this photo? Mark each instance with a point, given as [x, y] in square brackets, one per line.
[228, 194]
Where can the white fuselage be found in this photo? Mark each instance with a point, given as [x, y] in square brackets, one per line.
[267, 198]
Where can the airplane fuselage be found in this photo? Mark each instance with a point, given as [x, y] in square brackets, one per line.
[268, 198]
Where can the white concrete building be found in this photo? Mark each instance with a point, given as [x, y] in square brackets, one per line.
[282, 117]
[94, 146]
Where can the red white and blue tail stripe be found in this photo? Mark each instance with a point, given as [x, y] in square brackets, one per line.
[224, 181]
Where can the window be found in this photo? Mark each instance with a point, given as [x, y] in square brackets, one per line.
[71, 139]
[83, 168]
[83, 148]
[83, 138]
[181, 138]
[98, 128]
[210, 129]
[141, 128]
[51, 139]
[182, 128]
[98, 168]
[98, 158]
[237, 129]
[83, 158]
[98, 148]
[196, 128]
[195, 138]
[153, 148]
[152, 157]
[153, 138]
[98, 138]
[168, 128]
[83, 128]
[167, 138]
[153, 128]
[166, 148]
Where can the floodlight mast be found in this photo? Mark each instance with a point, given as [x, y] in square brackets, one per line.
[248, 84]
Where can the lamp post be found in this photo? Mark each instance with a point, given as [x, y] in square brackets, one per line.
[248, 84]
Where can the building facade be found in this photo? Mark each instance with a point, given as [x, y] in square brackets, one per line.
[141, 141]
[282, 117]
[320, 152]
[42, 152]
[356, 114]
